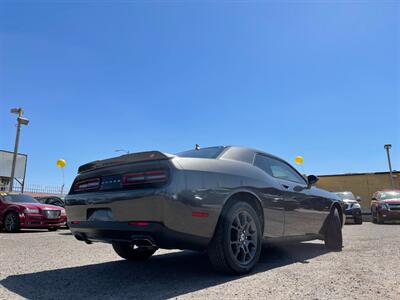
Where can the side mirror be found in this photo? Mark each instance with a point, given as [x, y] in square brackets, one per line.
[358, 198]
[312, 179]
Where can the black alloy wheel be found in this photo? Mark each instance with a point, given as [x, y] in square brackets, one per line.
[236, 245]
[11, 222]
[243, 238]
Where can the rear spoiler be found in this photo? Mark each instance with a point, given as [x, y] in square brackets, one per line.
[124, 159]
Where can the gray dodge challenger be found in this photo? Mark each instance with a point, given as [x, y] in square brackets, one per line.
[225, 200]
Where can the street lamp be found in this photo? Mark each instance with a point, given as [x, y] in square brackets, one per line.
[20, 121]
[122, 150]
[387, 147]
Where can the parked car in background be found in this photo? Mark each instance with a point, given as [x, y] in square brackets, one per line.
[23, 211]
[224, 200]
[352, 207]
[53, 200]
[385, 206]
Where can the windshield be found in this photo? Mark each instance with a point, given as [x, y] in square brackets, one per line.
[211, 152]
[390, 195]
[20, 199]
[346, 196]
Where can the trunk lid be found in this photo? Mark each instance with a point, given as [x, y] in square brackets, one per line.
[132, 171]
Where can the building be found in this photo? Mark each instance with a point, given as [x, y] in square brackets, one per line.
[361, 184]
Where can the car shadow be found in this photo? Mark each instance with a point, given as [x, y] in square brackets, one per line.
[65, 233]
[163, 276]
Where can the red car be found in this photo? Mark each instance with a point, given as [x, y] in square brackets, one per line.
[23, 211]
[385, 206]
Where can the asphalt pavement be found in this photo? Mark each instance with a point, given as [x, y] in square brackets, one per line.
[53, 265]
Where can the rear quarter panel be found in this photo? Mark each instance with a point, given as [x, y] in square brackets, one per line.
[209, 183]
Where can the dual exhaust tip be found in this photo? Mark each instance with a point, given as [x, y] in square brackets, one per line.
[139, 241]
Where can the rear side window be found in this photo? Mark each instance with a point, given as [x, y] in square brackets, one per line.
[278, 169]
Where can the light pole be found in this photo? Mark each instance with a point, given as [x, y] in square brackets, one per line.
[387, 147]
[122, 150]
[20, 121]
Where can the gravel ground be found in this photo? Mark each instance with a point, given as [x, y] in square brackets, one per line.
[53, 265]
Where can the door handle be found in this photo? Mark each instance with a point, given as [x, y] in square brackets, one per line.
[285, 186]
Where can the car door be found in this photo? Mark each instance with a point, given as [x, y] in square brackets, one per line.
[271, 195]
[302, 205]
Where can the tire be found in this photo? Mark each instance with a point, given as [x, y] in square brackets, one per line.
[53, 229]
[236, 245]
[379, 219]
[136, 254]
[358, 220]
[333, 233]
[373, 217]
[11, 222]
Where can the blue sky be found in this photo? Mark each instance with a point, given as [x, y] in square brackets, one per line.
[316, 78]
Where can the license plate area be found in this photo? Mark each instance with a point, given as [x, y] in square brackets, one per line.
[52, 214]
[99, 214]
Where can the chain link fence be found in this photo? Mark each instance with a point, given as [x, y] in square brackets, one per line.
[37, 188]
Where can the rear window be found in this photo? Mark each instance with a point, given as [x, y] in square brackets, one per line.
[211, 152]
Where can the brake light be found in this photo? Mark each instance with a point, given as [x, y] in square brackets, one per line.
[149, 177]
[199, 214]
[87, 185]
[139, 223]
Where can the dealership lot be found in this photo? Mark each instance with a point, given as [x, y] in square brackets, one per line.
[53, 265]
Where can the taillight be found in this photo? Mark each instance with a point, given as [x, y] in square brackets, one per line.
[139, 223]
[149, 177]
[87, 185]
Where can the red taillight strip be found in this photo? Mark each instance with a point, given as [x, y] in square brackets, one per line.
[139, 223]
[199, 214]
[87, 184]
[144, 177]
[133, 178]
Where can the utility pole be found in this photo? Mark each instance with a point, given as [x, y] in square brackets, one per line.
[20, 121]
[387, 147]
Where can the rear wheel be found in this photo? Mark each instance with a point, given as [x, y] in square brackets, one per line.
[11, 222]
[333, 232]
[130, 253]
[236, 245]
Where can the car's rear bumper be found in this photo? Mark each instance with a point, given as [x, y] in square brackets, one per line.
[176, 212]
[154, 232]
